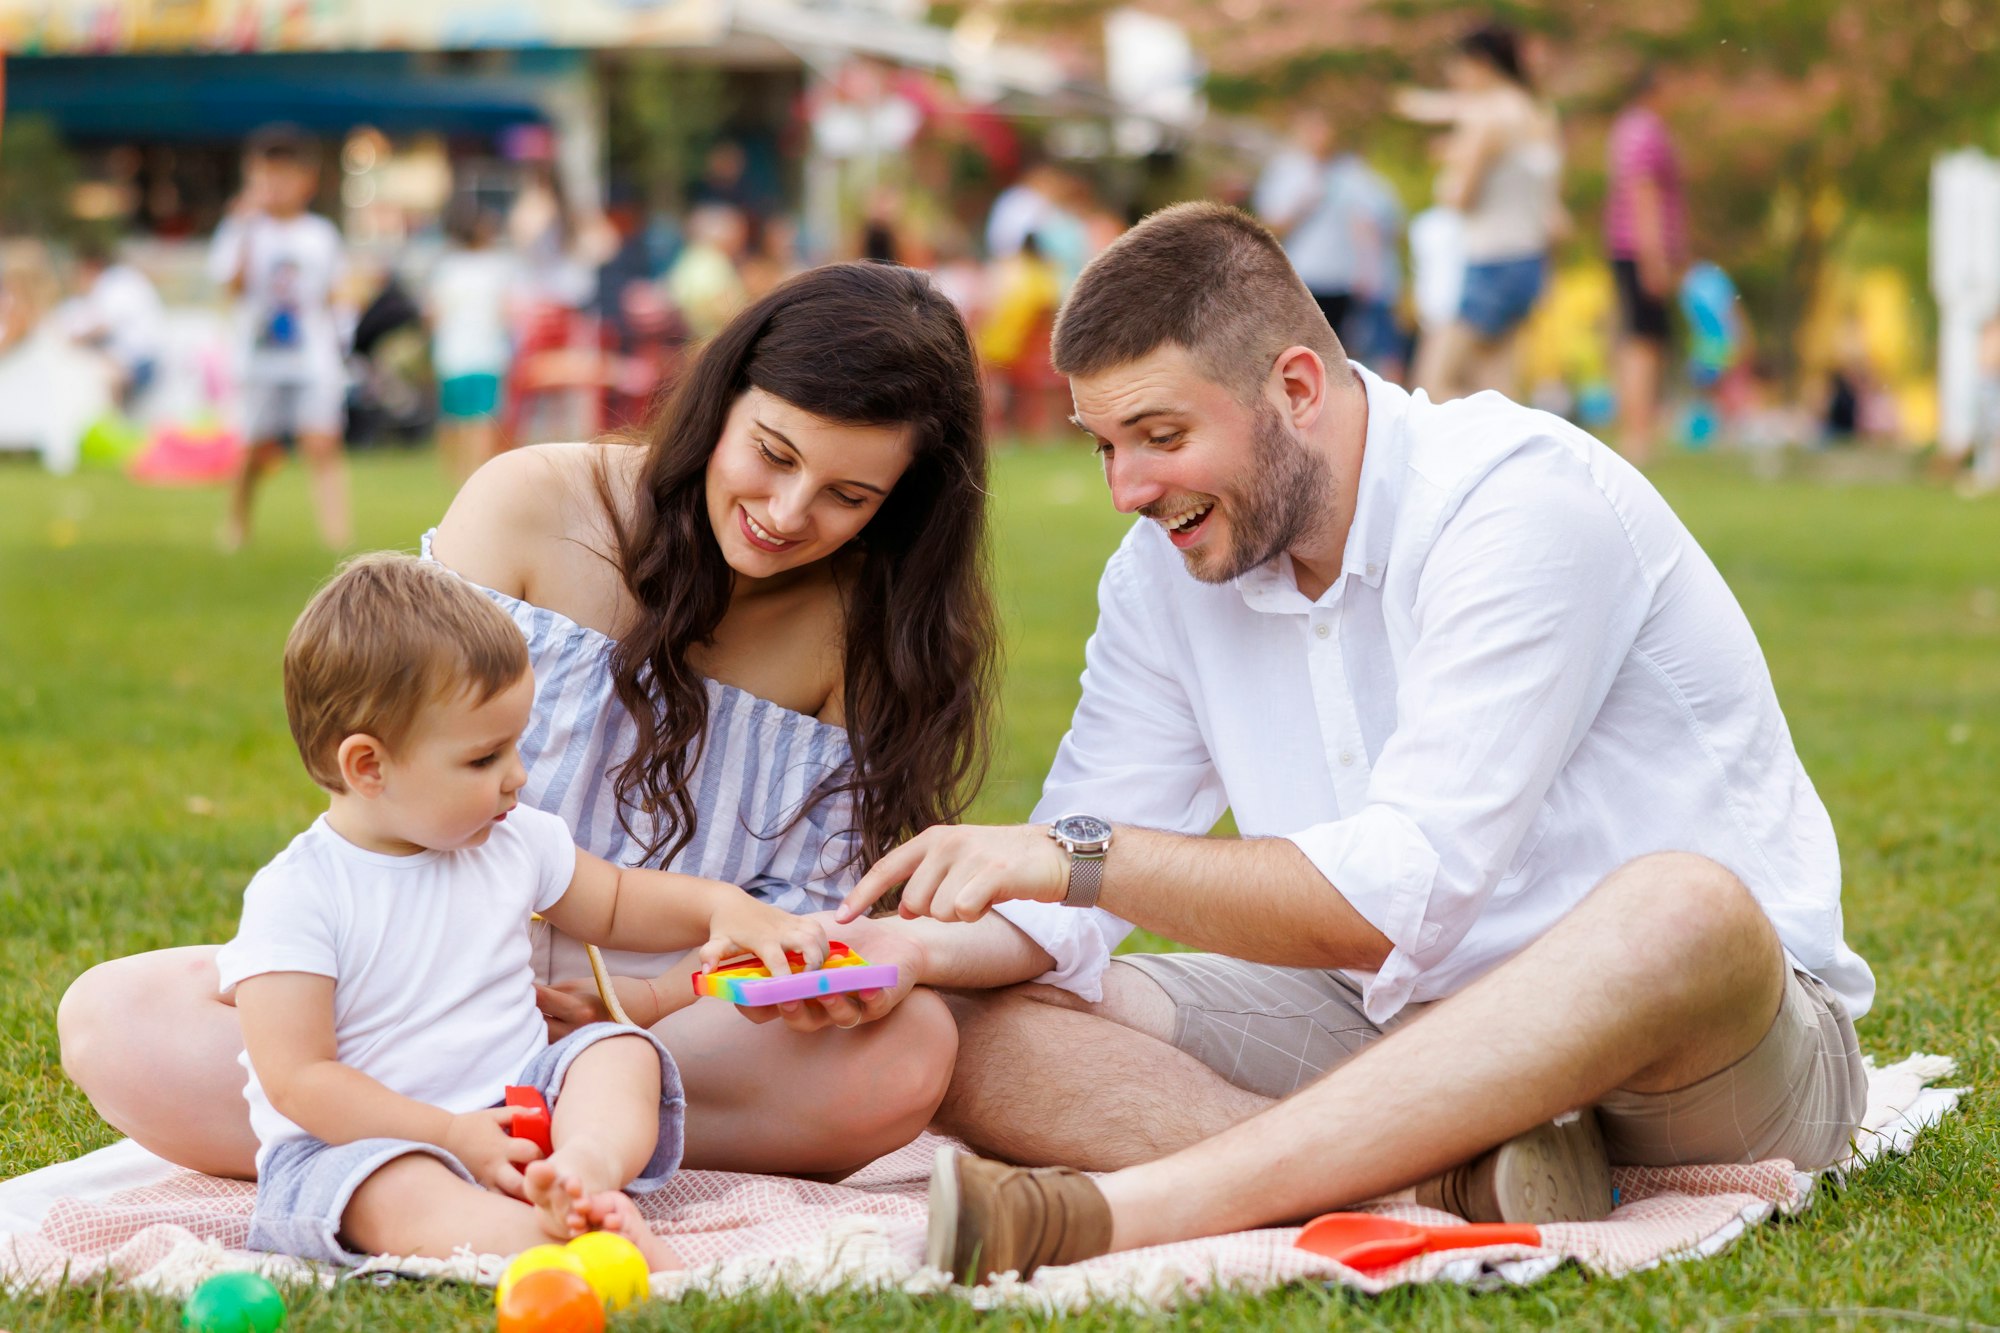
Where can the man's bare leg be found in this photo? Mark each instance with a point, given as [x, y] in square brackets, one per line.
[1667, 973]
[1044, 1078]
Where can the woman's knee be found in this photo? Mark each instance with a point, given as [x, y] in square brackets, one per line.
[86, 1020]
[111, 1021]
[903, 1071]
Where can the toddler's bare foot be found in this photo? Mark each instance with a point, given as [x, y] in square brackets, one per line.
[559, 1183]
[613, 1210]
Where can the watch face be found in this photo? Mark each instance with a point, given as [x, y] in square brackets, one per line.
[1083, 829]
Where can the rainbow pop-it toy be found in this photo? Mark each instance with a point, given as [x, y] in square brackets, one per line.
[747, 981]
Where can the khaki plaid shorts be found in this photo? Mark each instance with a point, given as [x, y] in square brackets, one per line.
[1798, 1095]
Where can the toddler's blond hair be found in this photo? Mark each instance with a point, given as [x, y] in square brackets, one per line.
[388, 636]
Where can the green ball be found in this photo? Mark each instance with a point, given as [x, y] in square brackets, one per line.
[234, 1303]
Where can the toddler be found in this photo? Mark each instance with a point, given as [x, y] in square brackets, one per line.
[382, 971]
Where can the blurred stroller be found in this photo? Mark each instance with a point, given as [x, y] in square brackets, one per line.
[392, 398]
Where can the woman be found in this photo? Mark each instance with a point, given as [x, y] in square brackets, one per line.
[763, 647]
[1501, 169]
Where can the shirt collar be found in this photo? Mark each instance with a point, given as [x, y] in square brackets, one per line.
[1271, 587]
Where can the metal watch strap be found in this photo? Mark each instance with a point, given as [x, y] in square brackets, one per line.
[1086, 877]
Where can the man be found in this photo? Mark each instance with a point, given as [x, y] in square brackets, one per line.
[1645, 233]
[1525, 832]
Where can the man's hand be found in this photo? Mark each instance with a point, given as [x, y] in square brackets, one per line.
[740, 924]
[956, 872]
[480, 1140]
[878, 944]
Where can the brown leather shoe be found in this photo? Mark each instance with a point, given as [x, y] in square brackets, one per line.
[1553, 1173]
[987, 1218]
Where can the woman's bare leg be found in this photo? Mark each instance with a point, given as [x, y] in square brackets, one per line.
[155, 1051]
[764, 1098]
[154, 1048]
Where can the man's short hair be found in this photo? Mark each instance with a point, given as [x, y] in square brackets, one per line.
[389, 636]
[1205, 277]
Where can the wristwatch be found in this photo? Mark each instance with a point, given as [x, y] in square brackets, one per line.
[1086, 838]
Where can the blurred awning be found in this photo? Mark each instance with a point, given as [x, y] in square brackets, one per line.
[238, 27]
[216, 98]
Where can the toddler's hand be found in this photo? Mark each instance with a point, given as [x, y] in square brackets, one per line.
[480, 1140]
[744, 925]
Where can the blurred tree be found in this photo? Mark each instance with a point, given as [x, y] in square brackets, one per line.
[38, 173]
[663, 116]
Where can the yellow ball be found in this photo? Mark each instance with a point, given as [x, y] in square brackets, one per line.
[613, 1267]
[533, 1260]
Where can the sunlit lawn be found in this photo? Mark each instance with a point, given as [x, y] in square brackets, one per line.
[145, 772]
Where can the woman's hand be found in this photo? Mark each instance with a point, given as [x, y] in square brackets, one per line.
[575, 1003]
[878, 942]
[480, 1139]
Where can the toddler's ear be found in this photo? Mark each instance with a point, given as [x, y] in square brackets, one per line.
[360, 757]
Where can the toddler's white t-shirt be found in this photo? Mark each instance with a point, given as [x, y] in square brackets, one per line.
[434, 992]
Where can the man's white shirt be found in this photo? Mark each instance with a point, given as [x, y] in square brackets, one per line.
[1526, 675]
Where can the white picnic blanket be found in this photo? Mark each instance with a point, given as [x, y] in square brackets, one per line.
[158, 1228]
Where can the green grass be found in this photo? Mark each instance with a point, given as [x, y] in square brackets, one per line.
[145, 773]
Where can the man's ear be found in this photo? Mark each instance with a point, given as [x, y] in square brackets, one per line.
[1299, 378]
[360, 758]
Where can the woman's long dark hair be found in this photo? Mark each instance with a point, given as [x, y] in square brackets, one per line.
[1497, 45]
[862, 345]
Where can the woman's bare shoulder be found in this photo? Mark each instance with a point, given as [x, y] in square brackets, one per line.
[519, 511]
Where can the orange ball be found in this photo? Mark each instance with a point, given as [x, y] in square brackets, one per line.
[551, 1300]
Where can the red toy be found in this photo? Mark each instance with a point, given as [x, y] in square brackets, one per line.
[531, 1122]
[1367, 1241]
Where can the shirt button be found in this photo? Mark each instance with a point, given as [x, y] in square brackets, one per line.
[1346, 757]
[1372, 570]
[1321, 631]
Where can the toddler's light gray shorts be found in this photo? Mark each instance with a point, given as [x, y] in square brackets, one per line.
[305, 1185]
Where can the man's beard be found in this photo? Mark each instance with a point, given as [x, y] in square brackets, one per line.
[1284, 494]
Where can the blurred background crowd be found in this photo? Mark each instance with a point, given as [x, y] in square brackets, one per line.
[232, 228]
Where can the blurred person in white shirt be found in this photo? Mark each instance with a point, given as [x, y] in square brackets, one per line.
[284, 266]
[469, 302]
[117, 311]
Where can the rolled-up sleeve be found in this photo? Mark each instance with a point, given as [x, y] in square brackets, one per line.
[1527, 607]
[1134, 754]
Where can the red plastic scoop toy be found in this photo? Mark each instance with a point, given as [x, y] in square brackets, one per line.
[1365, 1241]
